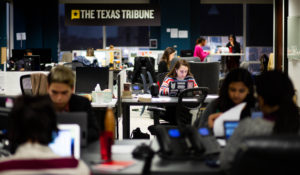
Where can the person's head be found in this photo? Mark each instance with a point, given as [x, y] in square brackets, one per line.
[60, 86]
[201, 41]
[32, 119]
[168, 55]
[275, 93]
[180, 70]
[90, 52]
[236, 88]
[28, 52]
[232, 38]
[264, 60]
[111, 46]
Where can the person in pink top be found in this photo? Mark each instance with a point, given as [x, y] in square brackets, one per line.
[198, 52]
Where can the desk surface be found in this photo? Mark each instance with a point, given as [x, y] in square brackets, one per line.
[165, 100]
[159, 166]
[227, 54]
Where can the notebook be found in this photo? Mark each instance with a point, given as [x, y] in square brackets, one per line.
[229, 127]
[67, 142]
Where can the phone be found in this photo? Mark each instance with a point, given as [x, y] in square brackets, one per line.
[203, 142]
[172, 142]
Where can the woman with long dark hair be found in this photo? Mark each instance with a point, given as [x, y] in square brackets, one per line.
[275, 94]
[164, 64]
[233, 62]
[236, 88]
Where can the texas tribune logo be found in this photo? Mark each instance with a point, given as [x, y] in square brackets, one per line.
[75, 14]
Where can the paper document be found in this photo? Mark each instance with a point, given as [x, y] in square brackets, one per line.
[232, 114]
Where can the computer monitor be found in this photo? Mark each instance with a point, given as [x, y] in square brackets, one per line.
[88, 77]
[44, 53]
[67, 142]
[229, 127]
[79, 118]
[186, 53]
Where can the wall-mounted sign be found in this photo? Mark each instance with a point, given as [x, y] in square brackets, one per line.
[112, 14]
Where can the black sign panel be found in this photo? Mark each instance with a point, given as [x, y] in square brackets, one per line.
[112, 14]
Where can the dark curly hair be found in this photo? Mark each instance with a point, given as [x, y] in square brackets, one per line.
[32, 119]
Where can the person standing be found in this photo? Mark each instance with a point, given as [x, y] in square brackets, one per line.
[233, 62]
[198, 52]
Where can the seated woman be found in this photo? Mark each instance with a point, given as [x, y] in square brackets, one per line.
[280, 114]
[164, 64]
[198, 51]
[236, 88]
[32, 128]
[181, 71]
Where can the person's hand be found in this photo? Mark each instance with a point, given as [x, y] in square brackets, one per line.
[212, 118]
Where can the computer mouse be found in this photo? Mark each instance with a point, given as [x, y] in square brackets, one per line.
[142, 151]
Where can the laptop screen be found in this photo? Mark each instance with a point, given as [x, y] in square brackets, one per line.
[229, 127]
[67, 142]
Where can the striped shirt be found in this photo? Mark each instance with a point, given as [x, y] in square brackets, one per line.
[33, 159]
[164, 88]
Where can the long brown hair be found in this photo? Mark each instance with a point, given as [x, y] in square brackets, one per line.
[166, 55]
[177, 65]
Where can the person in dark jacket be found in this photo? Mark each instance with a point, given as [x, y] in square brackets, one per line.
[60, 90]
[164, 64]
[233, 62]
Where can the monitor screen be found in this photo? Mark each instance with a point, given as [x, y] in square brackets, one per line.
[32, 62]
[229, 127]
[44, 53]
[88, 77]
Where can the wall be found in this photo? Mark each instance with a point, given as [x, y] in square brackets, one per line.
[39, 21]
[175, 14]
[2, 24]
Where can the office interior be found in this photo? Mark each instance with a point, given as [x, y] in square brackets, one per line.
[261, 27]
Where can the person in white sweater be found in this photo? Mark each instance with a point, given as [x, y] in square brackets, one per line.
[32, 127]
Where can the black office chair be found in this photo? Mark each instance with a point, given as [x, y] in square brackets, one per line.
[25, 84]
[207, 75]
[268, 155]
[189, 101]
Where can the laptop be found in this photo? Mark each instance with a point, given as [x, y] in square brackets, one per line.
[229, 127]
[175, 87]
[79, 118]
[67, 142]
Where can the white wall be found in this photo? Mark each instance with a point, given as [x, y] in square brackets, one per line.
[293, 32]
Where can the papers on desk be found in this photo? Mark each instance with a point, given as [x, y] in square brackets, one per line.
[232, 114]
[113, 165]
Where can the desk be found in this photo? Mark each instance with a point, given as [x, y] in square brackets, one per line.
[159, 166]
[161, 101]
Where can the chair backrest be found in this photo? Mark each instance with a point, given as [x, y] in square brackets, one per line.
[189, 99]
[268, 155]
[140, 64]
[160, 77]
[189, 59]
[206, 75]
[25, 84]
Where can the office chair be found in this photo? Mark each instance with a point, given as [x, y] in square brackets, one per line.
[25, 84]
[34, 84]
[268, 155]
[207, 75]
[142, 65]
[188, 106]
